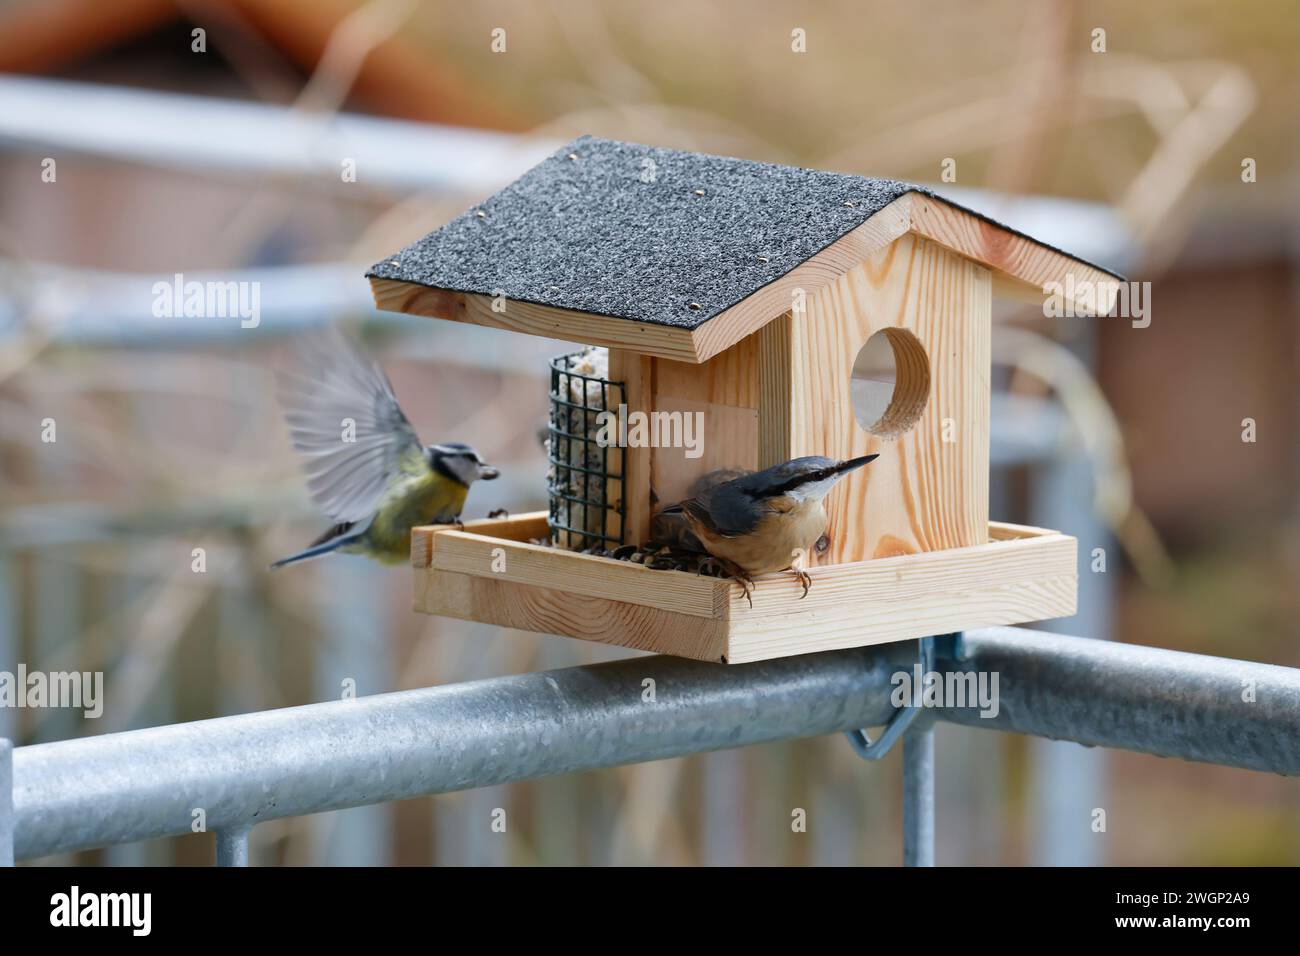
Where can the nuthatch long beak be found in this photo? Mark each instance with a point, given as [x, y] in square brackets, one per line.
[844, 467]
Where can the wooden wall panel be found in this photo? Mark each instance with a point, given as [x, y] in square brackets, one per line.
[636, 372]
[726, 391]
[929, 488]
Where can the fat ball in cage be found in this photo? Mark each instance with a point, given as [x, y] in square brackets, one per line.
[584, 476]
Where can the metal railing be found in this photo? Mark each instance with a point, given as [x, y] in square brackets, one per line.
[243, 770]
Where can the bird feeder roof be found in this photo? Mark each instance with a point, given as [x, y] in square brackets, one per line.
[670, 241]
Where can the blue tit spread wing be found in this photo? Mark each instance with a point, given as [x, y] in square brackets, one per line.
[332, 382]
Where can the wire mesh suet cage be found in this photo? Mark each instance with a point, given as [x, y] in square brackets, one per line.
[585, 473]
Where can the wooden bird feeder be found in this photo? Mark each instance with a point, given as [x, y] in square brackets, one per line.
[745, 292]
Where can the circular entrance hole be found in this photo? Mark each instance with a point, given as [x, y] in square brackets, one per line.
[891, 383]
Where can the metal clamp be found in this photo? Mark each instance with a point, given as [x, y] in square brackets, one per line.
[869, 749]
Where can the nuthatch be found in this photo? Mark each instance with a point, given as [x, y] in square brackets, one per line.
[365, 465]
[767, 520]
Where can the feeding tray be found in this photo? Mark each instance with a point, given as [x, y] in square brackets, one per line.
[489, 572]
[742, 297]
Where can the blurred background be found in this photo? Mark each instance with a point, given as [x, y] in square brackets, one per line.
[223, 155]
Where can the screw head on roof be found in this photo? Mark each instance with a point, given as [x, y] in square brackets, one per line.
[850, 203]
[694, 307]
[393, 262]
[573, 157]
[699, 192]
[763, 259]
[480, 213]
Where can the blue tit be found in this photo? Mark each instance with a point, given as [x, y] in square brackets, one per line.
[760, 522]
[365, 466]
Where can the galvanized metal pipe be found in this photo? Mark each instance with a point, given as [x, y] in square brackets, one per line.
[146, 783]
[6, 802]
[232, 846]
[1133, 697]
[241, 770]
[918, 794]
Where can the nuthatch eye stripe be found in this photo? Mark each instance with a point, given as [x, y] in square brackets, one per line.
[821, 474]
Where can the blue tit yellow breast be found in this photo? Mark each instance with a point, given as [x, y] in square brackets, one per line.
[411, 500]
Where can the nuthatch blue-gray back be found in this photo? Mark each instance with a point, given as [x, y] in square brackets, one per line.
[767, 520]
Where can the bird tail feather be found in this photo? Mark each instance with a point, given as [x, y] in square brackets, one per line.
[315, 551]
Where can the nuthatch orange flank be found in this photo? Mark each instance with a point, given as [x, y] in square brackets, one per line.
[766, 520]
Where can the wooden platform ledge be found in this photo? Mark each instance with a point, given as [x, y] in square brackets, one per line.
[1022, 574]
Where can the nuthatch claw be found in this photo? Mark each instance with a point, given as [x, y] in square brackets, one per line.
[747, 586]
[740, 576]
[709, 567]
[805, 579]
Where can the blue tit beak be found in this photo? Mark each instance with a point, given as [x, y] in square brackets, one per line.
[487, 473]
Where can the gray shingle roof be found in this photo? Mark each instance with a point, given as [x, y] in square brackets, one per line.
[642, 233]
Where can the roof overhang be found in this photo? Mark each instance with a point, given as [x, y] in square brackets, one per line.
[1021, 268]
